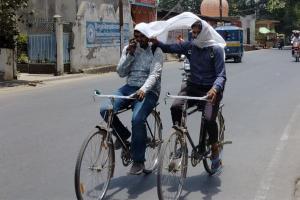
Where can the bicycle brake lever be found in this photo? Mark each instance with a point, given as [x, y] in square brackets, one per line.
[133, 96]
[97, 92]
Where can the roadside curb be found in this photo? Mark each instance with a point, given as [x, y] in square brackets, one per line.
[35, 79]
[100, 70]
[297, 189]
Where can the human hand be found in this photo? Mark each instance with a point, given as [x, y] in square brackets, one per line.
[212, 95]
[140, 95]
[131, 47]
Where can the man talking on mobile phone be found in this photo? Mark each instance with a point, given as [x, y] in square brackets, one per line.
[141, 63]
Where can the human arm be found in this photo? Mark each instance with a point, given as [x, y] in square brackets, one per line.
[155, 71]
[123, 67]
[219, 83]
[178, 48]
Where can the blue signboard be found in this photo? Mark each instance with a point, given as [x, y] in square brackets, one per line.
[105, 34]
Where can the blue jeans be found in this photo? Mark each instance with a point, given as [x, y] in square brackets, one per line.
[141, 110]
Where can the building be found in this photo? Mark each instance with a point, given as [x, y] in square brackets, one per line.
[39, 25]
[143, 10]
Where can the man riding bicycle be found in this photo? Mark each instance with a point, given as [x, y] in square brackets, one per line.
[206, 57]
[141, 63]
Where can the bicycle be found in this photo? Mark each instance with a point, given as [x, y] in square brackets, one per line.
[173, 161]
[96, 159]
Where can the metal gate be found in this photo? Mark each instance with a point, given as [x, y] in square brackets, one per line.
[42, 48]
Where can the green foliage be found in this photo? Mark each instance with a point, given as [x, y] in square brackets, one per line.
[22, 39]
[285, 11]
[274, 5]
[23, 58]
[8, 21]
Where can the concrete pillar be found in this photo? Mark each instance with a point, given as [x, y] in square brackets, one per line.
[7, 64]
[121, 21]
[59, 45]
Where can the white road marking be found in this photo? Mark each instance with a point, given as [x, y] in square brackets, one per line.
[266, 182]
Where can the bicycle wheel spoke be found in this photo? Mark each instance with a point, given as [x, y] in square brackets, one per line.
[153, 141]
[172, 169]
[93, 168]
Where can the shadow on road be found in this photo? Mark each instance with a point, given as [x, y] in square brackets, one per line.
[14, 83]
[207, 185]
[135, 186]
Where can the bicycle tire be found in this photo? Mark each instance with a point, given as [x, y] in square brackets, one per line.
[154, 131]
[105, 154]
[171, 163]
[221, 130]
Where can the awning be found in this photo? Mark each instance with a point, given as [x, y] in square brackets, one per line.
[264, 30]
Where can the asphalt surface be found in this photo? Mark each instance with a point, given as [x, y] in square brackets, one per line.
[42, 128]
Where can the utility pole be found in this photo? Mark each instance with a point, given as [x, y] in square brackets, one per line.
[121, 22]
[221, 8]
[76, 6]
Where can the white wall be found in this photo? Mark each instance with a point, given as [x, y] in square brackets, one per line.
[7, 63]
[248, 22]
[46, 9]
[83, 56]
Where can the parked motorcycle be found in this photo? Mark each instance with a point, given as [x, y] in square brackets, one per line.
[280, 44]
[296, 50]
[186, 69]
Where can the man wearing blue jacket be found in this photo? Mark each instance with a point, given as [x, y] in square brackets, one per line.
[208, 77]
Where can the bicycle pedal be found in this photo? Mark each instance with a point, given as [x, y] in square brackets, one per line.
[147, 171]
[226, 142]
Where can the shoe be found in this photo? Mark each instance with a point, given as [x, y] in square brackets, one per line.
[137, 168]
[216, 165]
[118, 144]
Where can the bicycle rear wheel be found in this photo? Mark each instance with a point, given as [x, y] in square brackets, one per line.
[221, 129]
[172, 167]
[154, 140]
[94, 166]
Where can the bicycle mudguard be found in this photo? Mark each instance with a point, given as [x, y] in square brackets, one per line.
[177, 128]
[101, 128]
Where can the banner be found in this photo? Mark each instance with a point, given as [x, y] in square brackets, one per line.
[105, 34]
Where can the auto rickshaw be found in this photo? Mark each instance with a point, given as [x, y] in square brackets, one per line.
[233, 36]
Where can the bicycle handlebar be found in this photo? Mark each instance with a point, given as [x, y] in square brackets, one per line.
[203, 98]
[111, 96]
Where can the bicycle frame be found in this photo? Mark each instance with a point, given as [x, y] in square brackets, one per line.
[111, 114]
[183, 128]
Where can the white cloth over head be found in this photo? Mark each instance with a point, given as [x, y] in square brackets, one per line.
[160, 29]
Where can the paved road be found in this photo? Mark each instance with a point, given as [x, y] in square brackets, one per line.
[42, 130]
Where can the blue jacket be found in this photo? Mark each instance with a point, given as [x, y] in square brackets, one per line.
[205, 70]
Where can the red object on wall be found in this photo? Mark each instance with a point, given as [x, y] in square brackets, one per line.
[147, 2]
[237, 23]
[143, 14]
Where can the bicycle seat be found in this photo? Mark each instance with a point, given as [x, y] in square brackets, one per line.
[124, 109]
[129, 107]
[195, 108]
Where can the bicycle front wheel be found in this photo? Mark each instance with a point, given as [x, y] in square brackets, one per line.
[172, 167]
[94, 166]
[154, 141]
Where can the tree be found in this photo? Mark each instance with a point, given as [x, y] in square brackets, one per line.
[285, 11]
[8, 21]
